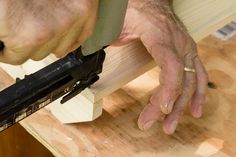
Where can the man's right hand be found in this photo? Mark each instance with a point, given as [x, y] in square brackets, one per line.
[35, 28]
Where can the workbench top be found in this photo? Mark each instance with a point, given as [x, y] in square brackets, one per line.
[116, 134]
[116, 131]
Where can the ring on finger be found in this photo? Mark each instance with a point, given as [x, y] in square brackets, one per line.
[186, 69]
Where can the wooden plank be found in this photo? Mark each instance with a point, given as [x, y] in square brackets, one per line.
[123, 64]
[204, 17]
[116, 131]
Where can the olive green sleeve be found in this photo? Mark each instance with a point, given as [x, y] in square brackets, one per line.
[111, 14]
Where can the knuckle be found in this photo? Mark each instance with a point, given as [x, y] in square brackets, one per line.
[59, 54]
[175, 61]
[178, 90]
[38, 58]
[173, 89]
[36, 31]
[81, 8]
[191, 84]
[203, 77]
[29, 34]
[66, 23]
[152, 102]
[190, 56]
[164, 18]
[30, 40]
[178, 63]
[40, 36]
[16, 60]
[180, 111]
[88, 32]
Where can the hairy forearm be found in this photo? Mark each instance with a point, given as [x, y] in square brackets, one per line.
[161, 9]
[153, 3]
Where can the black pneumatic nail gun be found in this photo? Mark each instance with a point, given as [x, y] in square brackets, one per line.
[66, 77]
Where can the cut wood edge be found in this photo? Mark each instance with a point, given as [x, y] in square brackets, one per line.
[78, 109]
[34, 133]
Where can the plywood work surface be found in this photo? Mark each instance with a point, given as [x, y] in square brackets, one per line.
[116, 134]
[124, 64]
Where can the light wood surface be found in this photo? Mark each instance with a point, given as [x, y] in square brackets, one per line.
[123, 64]
[116, 133]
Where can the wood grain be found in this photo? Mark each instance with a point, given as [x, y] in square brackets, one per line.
[123, 64]
[116, 133]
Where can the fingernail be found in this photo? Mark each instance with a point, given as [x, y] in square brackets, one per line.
[167, 108]
[199, 111]
[148, 124]
[172, 127]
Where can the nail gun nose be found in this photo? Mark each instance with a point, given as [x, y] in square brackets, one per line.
[1, 45]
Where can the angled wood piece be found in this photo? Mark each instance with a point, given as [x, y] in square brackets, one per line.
[123, 64]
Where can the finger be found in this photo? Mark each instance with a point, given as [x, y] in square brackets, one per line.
[69, 39]
[22, 44]
[53, 45]
[172, 119]
[85, 32]
[78, 32]
[45, 49]
[150, 114]
[171, 75]
[18, 49]
[11, 57]
[42, 53]
[199, 95]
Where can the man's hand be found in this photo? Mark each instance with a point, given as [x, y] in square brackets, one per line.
[165, 37]
[35, 28]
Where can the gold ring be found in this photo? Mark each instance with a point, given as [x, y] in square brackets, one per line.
[189, 70]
